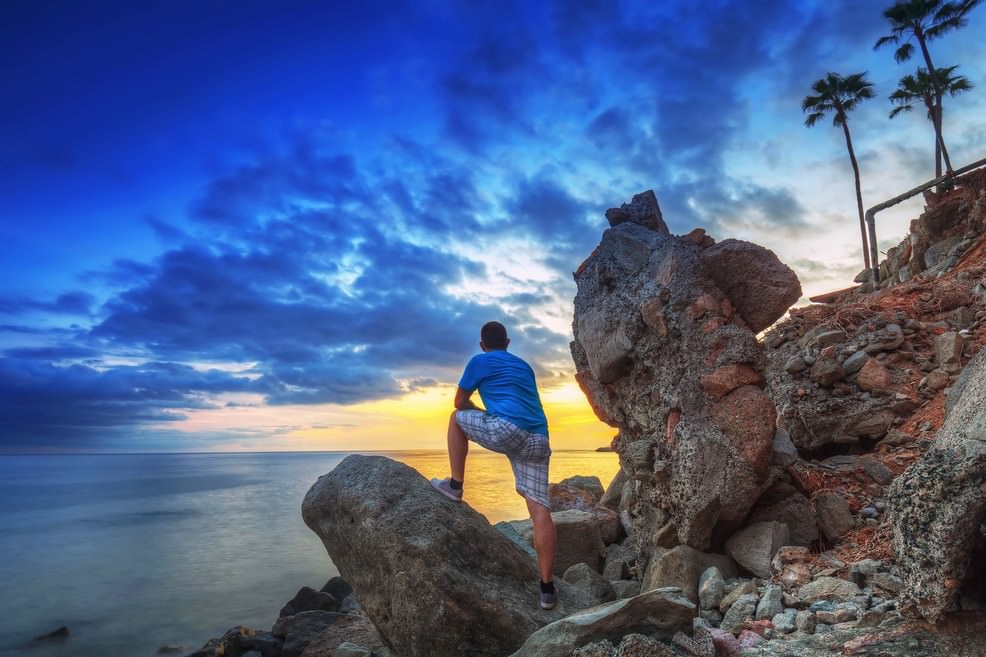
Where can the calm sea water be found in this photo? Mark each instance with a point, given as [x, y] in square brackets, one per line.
[134, 552]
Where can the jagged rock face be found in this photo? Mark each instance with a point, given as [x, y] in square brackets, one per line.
[432, 574]
[665, 350]
[938, 505]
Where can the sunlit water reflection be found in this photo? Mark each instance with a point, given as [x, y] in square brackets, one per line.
[489, 484]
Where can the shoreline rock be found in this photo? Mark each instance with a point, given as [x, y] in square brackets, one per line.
[432, 574]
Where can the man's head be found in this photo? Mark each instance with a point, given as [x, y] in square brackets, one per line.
[493, 336]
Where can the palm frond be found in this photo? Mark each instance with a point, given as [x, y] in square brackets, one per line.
[959, 85]
[903, 108]
[947, 10]
[814, 118]
[952, 84]
[940, 28]
[904, 53]
[882, 41]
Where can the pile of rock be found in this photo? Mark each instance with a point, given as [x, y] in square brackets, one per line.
[761, 589]
[739, 613]
[848, 380]
[948, 227]
[323, 623]
[656, 334]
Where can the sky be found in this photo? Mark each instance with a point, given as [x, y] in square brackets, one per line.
[279, 225]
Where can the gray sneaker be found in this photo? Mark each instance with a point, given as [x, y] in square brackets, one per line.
[444, 486]
[547, 600]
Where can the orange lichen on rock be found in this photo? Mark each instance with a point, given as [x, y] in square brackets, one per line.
[866, 543]
[932, 411]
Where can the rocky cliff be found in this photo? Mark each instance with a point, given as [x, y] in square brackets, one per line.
[822, 426]
[666, 351]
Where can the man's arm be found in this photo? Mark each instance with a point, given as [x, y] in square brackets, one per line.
[463, 401]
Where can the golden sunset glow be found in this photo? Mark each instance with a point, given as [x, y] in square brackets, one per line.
[417, 420]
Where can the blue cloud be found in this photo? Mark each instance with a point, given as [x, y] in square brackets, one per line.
[333, 304]
[46, 405]
[67, 303]
[330, 242]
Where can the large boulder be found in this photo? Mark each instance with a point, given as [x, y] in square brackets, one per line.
[579, 538]
[760, 286]
[432, 574]
[682, 567]
[578, 492]
[814, 405]
[665, 349]
[938, 505]
[754, 546]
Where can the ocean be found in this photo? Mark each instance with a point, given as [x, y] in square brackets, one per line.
[133, 552]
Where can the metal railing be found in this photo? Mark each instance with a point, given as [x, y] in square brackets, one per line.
[871, 213]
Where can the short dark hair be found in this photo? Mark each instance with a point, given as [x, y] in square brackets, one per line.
[494, 335]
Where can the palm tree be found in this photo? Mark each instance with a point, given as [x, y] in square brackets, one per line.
[840, 95]
[913, 89]
[925, 20]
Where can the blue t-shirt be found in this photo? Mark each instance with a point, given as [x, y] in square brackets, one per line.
[507, 387]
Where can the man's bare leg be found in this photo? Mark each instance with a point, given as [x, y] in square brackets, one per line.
[458, 448]
[544, 538]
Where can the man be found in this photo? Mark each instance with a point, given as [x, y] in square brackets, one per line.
[513, 424]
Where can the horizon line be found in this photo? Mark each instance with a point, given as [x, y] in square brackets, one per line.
[287, 451]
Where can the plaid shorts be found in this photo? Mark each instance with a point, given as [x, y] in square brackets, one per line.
[529, 453]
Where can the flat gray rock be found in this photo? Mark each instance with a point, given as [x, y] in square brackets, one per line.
[682, 567]
[754, 546]
[659, 613]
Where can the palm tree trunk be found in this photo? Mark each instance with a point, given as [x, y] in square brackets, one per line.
[937, 84]
[859, 192]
